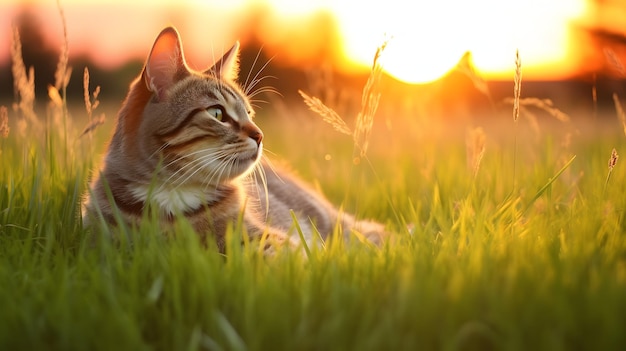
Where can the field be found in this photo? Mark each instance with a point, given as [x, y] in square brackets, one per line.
[509, 258]
[503, 237]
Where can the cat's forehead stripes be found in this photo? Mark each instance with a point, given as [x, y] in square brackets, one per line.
[232, 94]
[232, 102]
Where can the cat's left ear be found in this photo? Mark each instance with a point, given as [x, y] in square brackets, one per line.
[228, 66]
[166, 63]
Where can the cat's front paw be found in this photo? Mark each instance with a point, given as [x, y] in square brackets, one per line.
[372, 232]
[277, 242]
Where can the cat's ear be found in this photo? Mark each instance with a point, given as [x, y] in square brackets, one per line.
[228, 66]
[166, 62]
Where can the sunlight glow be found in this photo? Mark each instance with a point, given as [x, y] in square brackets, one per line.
[428, 38]
[425, 38]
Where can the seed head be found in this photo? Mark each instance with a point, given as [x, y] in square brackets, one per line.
[613, 159]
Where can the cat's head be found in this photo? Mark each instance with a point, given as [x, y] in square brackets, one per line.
[198, 125]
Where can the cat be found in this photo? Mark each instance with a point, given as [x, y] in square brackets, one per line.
[185, 143]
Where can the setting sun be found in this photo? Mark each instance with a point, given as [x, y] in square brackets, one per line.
[426, 39]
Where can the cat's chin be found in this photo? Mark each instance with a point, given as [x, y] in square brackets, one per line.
[246, 162]
[251, 156]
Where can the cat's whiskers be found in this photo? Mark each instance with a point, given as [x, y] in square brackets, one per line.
[192, 167]
[248, 86]
[214, 151]
[263, 89]
[256, 59]
[219, 171]
[260, 172]
[269, 164]
[252, 90]
[182, 174]
[207, 163]
[158, 151]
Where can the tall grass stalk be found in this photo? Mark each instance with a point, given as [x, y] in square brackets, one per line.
[62, 77]
[91, 104]
[364, 121]
[4, 122]
[475, 149]
[517, 91]
[23, 85]
[612, 163]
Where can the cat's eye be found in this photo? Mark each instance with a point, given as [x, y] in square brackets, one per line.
[217, 112]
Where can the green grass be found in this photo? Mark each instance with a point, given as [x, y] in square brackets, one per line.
[489, 264]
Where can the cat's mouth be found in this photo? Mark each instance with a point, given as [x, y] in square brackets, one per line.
[253, 156]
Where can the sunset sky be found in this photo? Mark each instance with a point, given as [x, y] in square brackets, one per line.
[426, 38]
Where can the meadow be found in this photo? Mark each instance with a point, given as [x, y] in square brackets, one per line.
[504, 236]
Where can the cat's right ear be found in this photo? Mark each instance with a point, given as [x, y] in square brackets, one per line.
[228, 66]
[166, 63]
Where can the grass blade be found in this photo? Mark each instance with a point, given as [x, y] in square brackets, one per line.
[301, 234]
[550, 181]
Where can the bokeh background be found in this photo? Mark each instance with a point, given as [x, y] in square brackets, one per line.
[571, 50]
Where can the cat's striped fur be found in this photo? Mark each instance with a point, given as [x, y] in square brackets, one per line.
[186, 144]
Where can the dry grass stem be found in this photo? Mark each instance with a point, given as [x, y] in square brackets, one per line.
[369, 104]
[89, 106]
[475, 143]
[620, 111]
[328, 115]
[93, 124]
[543, 104]
[91, 103]
[4, 122]
[613, 159]
[612, 163]
[23, 83]
[365, 118]
[517, 90]
[62, 73]
[55, 97]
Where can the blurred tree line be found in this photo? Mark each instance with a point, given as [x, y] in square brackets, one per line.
[44, 56]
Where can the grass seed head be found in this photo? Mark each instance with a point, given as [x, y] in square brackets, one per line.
[517, 89]
[23, 82]
[475, 143]
[91, 103]
[369, 104]
[93, 124]
[328, 115]
[86, 92]
[55, 97]
[613, 159]
[4, 122]
[62, 73]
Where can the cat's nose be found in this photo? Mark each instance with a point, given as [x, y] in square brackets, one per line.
[253, 132]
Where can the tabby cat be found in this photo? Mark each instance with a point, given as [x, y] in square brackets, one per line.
[186, 144]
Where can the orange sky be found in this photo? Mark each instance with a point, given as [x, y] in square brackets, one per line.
[427, 38]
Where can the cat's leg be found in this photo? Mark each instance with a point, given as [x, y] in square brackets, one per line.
[273, 239]
[370, 231]
[374, 232]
